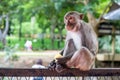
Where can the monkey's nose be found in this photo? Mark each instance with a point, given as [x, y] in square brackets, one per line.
[70, 17]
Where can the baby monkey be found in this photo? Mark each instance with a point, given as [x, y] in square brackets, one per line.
[81, 44]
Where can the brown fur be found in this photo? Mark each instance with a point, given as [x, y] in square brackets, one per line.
[83, 58]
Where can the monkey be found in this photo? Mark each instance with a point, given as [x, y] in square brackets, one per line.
[81, 44]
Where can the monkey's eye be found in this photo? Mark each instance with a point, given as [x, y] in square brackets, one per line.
[66, 18]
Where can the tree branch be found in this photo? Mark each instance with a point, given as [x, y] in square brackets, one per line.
[104, 10]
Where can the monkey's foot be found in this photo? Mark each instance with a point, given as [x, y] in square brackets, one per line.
[59, 68]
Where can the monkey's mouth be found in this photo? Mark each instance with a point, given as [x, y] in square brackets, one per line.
[71, 25]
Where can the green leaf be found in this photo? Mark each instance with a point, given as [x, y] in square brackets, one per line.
[58, 6]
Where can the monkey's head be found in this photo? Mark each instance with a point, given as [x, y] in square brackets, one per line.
[71, 19]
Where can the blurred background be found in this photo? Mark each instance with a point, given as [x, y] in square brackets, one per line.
[33, 29]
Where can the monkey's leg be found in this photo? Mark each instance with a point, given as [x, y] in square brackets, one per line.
[82, 59]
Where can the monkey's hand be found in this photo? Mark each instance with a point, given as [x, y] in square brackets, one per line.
[52, 65]
[56, 66]
[60, 67]
[61, 64]
[63, 60]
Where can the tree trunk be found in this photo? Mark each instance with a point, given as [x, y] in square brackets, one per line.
[20, 28]
[4, 32]
[91, 19]
[53, 25]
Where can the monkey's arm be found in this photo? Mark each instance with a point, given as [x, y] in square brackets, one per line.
[67, 52]
[52, 64]
[63, 60]
[64, 55]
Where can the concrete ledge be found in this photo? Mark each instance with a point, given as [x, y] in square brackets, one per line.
[107, 57]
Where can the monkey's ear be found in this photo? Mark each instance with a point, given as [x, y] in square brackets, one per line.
[81, 16]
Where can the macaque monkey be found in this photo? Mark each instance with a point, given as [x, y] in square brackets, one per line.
[81, 44]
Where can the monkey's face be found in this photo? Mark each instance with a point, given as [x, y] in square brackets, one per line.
[70, 22]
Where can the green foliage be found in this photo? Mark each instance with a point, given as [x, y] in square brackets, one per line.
[118, 1]
[43, 43]
[105, 44]
[102, 5]
[28, 29]
[48, 20]
[117, 44]
[1, 46]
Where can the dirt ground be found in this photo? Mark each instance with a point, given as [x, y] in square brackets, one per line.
[27, 59]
